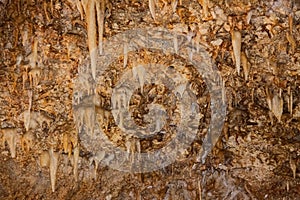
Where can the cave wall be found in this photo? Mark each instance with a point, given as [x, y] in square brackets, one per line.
[45, 45]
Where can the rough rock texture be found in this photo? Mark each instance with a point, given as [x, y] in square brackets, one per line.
[255, 46]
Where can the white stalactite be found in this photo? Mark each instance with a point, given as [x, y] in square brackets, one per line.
[97, 159]
[180, 89]
[125, 53]
[91, 29]
[76, 159]
[54, 156]
[26, 119]
[140, 72]
[277, 106]
[34, 76]
[128, 148]
[237, 44]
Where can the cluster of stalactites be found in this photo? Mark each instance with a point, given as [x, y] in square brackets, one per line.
[94, 16]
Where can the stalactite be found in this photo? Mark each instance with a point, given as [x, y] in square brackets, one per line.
[174, 5]
[27, 115]
[120, 99]
[78, 118]
[199, 190]
[223, 92]
[91, 29]
[70, 149]
[236, 44]
[139, 72]
[115, 101]
[25, 76]
[293, 167]
[246, 65]
[198, 41]
[249, 16]
[190, 35]
[121, 120]
[290, 101]
[152, 8]
[30, 99]
[125, 53]
[291, 22]
[95, 13]
[51, 7]
[34, 76]
[76, 159]
[97, 159]
[35, 72]
[269, 98]
[277, 106]
[133, 149]
[33, 57]
[24, 36]
[45, 11]
[26, 119]
[128, 147]
[80, 9]
[100, 6]
[180, 89]
[138, 148]
[84, 4]
[54, 156]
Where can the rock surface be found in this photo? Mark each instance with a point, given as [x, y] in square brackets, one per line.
[46, 46]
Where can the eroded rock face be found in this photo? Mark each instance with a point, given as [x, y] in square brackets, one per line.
[47, 51]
